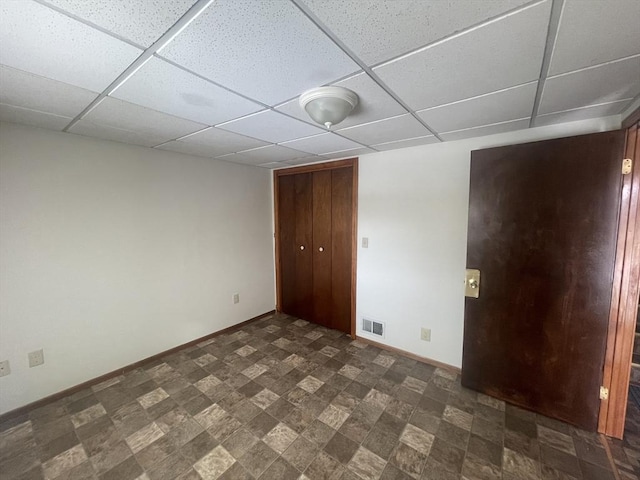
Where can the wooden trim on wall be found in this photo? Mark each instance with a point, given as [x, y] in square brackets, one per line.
[419, 358]
[632, 119]
[317, 167]
[121, 371]
[624, 301]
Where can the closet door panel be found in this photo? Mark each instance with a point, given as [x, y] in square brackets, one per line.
[341, 223]
[322, 291]
[287, 238]
[303, 245]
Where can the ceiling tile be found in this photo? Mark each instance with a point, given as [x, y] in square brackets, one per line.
[189, 148]
[323, 143]
[53, 45]
[150, 126]
[602, 84]
[501, 106]
[140, 21]
[353, 152]
[520, 124]
[603, 110]
[498, 55]
[266, 50]
[304, 160]
[595, 32]
[38, 93]
[25, 116]
[387, 130]
[377, 30]
[409, 142]
[166, 88]
[223, 142]
[373, 103]
[270, 126]
[273, 165]
[270, 153]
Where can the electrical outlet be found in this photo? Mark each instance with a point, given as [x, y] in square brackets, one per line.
[365, 242]
[36, 358]
[425, 334]
[236, 298]
[5, 368]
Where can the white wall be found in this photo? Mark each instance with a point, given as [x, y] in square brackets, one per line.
[413, 206]
[110, 253]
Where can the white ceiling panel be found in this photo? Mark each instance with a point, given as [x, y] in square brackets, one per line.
[603, 110]
[501, 106]
[118, 114]
[223, 142]
[304, 160]
[53, 45]
[267, 50]
[122, 135]
[270, 153]
[520, 124]
[38, 93]
[602, 84]
[271, 126]
[354, 152]
[595, 32]
[501, 54]
[141, 21]
[323, 143]
[25, 116]
[273, 165]
[409, 142]
[377, 30]
[388, 130]
[166, 88]
[373, 103]
[189, 148]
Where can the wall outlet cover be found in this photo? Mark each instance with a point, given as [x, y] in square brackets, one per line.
[425, 334]
[5, 368]
[236, 298]
[36, 358]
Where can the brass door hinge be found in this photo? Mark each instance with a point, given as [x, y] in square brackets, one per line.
[604, 393]
[627, 165]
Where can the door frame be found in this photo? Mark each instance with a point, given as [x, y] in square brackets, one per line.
[624, 300]
[316, 167]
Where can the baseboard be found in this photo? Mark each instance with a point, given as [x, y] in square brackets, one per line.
[102, 378]
[426, 360]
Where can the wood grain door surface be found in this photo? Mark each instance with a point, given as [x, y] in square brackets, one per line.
[542, 231]
[315, 243]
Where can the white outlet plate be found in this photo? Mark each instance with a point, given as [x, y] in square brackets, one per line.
[365, 242]
[425, 334]
[5, 368]
[36, 358]
[236, 298]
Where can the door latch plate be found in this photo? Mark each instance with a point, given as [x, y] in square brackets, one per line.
[472, 283]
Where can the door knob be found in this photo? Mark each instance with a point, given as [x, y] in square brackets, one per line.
[472, 283]
[321, 249]
[301, 247]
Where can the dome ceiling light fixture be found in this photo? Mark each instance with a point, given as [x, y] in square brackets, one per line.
[328, 105]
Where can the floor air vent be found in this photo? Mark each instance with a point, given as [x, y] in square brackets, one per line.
[371, 326]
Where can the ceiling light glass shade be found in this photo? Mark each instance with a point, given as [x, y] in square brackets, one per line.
[328, 105]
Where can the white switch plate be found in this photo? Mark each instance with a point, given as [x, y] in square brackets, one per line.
[5, 368]
[36, 358]
[365, 242]
[425, 334]
[236, 298]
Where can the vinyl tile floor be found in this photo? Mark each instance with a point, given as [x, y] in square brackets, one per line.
[626, 452]
[284, 399]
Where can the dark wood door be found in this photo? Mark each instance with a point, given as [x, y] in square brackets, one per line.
[542, 231]
[295, 237]
[315, 245]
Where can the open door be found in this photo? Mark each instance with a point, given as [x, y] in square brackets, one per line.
[543, 224]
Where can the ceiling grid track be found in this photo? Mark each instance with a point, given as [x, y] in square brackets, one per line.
[191, 14]
[552, 35]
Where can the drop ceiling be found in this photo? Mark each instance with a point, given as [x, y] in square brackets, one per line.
[221, 78]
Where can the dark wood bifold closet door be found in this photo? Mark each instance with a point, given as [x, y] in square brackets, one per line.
[315, 237]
